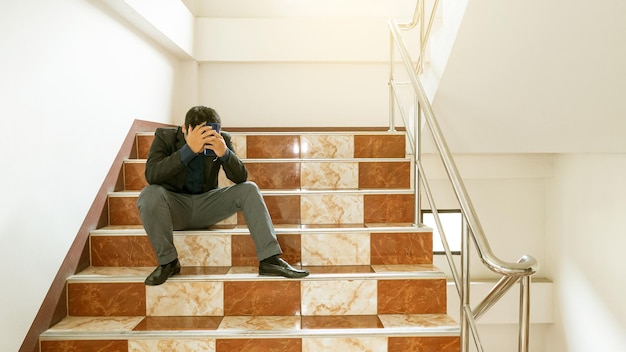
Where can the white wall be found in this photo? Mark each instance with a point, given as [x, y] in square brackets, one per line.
[586, 246]
[305, 63]
[509, 194]
[73, 80]
[296, 94]
[292, 39]
[295, 71]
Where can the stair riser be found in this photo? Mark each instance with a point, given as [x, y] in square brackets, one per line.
[259, 298]
[307, 146]
[309, 249]
[306, 175]
[312, 344]
[302, 209]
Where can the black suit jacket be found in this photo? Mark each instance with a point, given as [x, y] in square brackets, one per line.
[164, 166]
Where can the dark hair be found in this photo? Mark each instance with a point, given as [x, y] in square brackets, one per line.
[201, 114]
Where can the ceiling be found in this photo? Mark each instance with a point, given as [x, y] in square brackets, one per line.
[300, 8]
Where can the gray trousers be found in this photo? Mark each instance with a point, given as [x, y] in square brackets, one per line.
[163, 212]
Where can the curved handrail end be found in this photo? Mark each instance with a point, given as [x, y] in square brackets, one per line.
[527, 265]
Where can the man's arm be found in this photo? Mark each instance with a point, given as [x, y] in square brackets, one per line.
[164, 160]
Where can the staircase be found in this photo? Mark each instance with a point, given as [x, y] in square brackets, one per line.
[342, 205]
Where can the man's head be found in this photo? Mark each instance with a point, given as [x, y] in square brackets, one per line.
[201, 114]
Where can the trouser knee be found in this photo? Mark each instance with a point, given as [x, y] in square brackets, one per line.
[150, 197]
[249, 187]
[250, 194]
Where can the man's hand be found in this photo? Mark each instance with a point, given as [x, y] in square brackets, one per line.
[200, 137]
[214, 140]
[194, 136]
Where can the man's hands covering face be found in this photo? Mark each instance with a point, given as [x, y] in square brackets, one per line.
[200, 137]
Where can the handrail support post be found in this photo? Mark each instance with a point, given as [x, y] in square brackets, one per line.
[524, 313]
[417, 118]
[465, 290]
[392, 113]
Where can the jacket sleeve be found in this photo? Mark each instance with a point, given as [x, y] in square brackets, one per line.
[164, 161]
[234, 168]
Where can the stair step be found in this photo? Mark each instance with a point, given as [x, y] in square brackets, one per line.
[308, 245]
[312, 145]
[240, 291]
[380, 333]
[321, 174]
[343, 208]
[302, 207]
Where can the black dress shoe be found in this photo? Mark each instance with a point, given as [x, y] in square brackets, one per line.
[281, 269]
[162, 273]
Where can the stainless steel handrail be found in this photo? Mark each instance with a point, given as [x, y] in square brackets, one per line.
[512, 272]
[486, 254]
[529, 266]
[418, 18]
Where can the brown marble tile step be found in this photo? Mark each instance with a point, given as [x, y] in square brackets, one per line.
[224, 327]
[293, 323]
[311, 246]
[178, 323]
[307, 144]
[303, 207]
[380, 333]
[283, 228]
[235, 291]
[143, 141]
[246, 273]
[306, 174]
[354, 343]
[322, 145]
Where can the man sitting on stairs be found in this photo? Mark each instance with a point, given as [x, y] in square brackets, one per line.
[183, 194]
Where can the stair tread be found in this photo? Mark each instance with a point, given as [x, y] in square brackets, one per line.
[298, 160]
[248, 273]
[297, 191]
[259, 326]
[257, 132]
[126, 230]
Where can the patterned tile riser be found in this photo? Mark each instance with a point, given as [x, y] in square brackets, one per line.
[309, 249]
